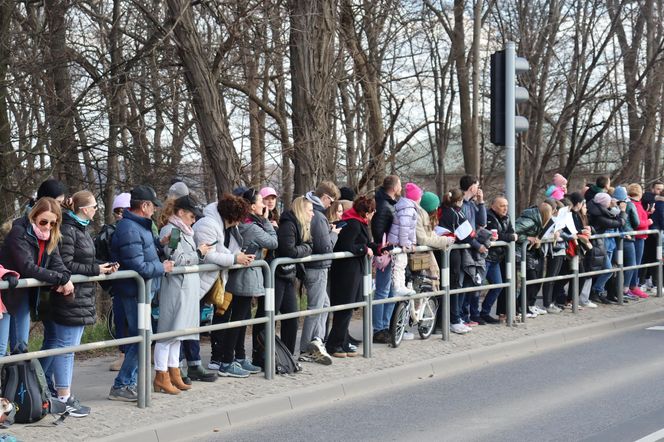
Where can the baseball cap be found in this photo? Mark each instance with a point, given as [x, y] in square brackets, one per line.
[268, 191]
[121, 201]
[188, 203]
[145, 193]
[177, 190]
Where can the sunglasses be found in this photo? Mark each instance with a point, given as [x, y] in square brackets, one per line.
[44, 222]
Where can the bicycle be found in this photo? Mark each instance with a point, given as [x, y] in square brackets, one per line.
[407, 313]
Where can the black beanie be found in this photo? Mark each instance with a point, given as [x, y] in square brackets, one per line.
[51, 188]
[346, 193]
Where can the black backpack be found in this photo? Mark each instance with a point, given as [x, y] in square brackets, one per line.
[284, 361]
[24, 384]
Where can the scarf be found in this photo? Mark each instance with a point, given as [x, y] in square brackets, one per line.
[44, 236]
[81, 221]
[177, 222]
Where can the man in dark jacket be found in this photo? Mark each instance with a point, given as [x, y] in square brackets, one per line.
[653, 202]
[134, 247]
[315, 279]
[499, 223]
[386, 198]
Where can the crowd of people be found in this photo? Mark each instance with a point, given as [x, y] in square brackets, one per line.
[53, 241]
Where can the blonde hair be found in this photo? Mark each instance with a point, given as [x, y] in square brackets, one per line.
[546, 212]
[47, 204]
[300, 207]
[635, 190]
[82, 198]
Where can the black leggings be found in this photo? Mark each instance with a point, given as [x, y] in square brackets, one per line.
[228, 345]
[285, 301]
[553, 266]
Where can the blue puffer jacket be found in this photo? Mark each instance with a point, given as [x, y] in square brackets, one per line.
[135, 248]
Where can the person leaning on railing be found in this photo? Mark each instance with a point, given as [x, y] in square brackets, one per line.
[346, 274]
[68, 315]
[31, 249]
[635, 192]
[629, 248]
[427, 220]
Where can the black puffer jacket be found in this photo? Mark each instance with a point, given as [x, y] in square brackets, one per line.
[290, 245]
[382, 219]
[20, 252]
[78, 254]
[505, 233]
[602, 220]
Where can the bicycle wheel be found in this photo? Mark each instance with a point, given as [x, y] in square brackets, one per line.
[428, 321]
[109, 321]
[398, 324]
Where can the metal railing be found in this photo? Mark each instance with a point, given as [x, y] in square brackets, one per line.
[145, 337]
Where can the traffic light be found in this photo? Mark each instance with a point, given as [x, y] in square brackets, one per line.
[505, 95]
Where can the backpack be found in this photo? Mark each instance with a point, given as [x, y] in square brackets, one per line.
[24, 384]
[102, 244]
[284, 361]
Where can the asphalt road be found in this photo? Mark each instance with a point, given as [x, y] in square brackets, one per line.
[609, 389]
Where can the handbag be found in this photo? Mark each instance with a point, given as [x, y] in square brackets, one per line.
[218, 297]
[380, 262]
[419, 261]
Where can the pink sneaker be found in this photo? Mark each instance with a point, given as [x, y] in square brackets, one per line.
[638, 292]
[471, 324]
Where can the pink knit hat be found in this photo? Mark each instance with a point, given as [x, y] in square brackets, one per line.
[559, 180]
[603, 199]
[413, 192]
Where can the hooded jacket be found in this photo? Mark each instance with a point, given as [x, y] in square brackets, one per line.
[322, 236]
[602, 220]
[404, 223]
[20, 252]
[209, 229]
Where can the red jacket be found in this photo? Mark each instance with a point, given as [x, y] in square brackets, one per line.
[644, 220]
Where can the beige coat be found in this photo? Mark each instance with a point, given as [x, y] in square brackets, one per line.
[427, 237]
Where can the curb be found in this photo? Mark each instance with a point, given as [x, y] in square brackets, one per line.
[214, 422]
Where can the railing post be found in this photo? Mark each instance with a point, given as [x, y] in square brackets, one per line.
[147, 311]
[143, 367]
[445, 305]
[367, 319]
[269, 365]
[621, 265]
[524, 281]
[659, 263]
[575, 284]
[510, 271]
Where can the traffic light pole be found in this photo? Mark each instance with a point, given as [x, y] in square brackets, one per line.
[510, 135]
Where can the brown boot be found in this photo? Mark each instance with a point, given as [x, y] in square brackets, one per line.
[117, 364]
[162, 383]
[176, 379]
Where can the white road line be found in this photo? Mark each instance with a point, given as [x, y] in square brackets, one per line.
[657, 327]
[654, 437]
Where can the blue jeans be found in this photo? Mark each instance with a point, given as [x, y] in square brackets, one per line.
[191, 350]
[638, 255]
[129, 370]
[59, 369]
[601, 280]
[494, 276]
[382, 313]
[629, 259]
[4, 334]
[470, 308]
[19, 327]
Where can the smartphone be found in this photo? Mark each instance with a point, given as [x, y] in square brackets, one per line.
[213, 243]
[175, 239]
[113, 264]
[340, 224]
[251, 249]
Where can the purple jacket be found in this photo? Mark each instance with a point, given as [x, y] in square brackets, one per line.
[402, 231]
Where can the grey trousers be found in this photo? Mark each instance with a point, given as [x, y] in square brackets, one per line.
[315, 282]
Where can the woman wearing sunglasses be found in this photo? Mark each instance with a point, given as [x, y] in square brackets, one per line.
[31, 248]
[68, 315]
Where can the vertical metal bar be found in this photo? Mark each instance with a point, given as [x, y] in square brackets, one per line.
[621, 266]
[659, 264]
[269, 365]
[575, 284]
[524, 280]
[367, 338]
[147, 333]
[143, 371]
[511, 290]
[510, 136]
[445, 305]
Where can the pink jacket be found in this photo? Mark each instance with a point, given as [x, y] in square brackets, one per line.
[3, 272]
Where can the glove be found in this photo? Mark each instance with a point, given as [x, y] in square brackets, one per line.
[12, 280]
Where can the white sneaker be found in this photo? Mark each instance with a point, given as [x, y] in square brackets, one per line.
[214, 365]
[540, 311]
[533, 311]
[553, 309]
[318, 352]
[408, 336]
[590, 304]
[404, 291]
[459, 329]
[531, 315]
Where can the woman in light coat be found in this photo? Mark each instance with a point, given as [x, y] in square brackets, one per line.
[424, 230]
[179, 294]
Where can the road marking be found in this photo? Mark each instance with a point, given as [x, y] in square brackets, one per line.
[657, 328]
[657, 435]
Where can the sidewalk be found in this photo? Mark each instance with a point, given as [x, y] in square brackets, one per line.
[109, 419]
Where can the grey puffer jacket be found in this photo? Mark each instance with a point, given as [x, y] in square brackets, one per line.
[249, 282]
